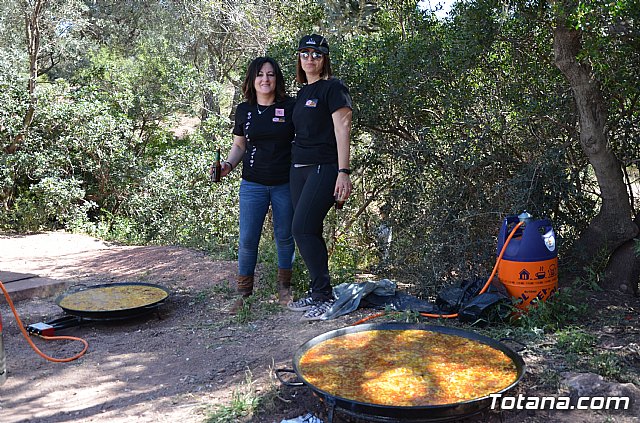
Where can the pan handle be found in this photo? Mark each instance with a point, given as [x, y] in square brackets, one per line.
[77, 287]
[515, 342]
[286, 382]
[154, 305]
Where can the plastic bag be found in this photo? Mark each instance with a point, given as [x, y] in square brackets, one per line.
[462, 298]
[349, 295]
[307, 418]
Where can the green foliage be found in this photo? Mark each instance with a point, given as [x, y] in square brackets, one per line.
[13, 98]
[147, 87]
[244, 402]
[52, 200]
[300, 278]
[70, 146]
[176, 203]
[406, 316]
[565, 307]
[611, 46]
[102, 151]
[607, 364]
[344, 265]
[245, 313]
[550, 379]
[575, 340]
[456, 124]
[247, 403]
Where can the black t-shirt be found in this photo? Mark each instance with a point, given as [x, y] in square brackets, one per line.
[315, 141]
[267, 157]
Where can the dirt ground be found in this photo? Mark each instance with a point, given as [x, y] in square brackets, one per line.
[178, 365]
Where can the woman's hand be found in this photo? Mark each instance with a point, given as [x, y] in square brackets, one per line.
[343, 188]
[226, 168]
[235, 155]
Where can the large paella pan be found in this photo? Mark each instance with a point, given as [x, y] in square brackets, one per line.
[406, 372]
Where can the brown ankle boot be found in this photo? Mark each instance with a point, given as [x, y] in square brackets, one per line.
[245, 289]
[284, 286]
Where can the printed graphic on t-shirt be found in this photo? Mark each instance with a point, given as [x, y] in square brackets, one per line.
[312, 102]
[252, 157]
[247, 124]
[279, 112]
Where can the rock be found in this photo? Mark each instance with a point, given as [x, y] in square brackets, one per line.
[593, 385]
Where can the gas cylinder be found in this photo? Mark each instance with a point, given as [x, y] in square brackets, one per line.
[3, 363]
[529, 266]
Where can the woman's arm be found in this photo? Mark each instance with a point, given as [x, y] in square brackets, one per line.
[342, 126]
[235, 154]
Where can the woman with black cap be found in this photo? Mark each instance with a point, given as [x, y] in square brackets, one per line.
[320, 170]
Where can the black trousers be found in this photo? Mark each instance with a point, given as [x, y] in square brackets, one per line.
[312, 195]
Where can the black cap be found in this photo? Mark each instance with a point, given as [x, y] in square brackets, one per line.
[314, 41]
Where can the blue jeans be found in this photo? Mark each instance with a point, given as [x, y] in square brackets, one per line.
[254, 205]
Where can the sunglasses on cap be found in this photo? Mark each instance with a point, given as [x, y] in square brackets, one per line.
[314, 55]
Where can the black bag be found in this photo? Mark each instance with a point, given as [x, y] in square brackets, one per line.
[452, 298]
[486, 308]
[478, 309]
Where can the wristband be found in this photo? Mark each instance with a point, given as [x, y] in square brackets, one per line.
[230, 164]
[345, 170]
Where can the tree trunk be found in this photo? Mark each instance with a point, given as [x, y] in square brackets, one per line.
[613, 225]
[623, 270]
[32, 33]
[210, 100]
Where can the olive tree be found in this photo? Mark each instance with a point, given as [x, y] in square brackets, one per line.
[604, 92]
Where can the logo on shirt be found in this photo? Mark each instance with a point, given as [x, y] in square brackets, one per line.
[279, 112]
[278, 119]
[312, 102]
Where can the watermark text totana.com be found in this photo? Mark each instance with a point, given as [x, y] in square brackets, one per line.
[522, 402]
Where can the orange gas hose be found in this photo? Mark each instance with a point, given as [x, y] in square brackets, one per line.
[482, 291]
[35, 348]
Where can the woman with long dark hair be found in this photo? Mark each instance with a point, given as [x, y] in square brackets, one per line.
[262, 137]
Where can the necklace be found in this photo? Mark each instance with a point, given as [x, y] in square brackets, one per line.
[264, 110]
